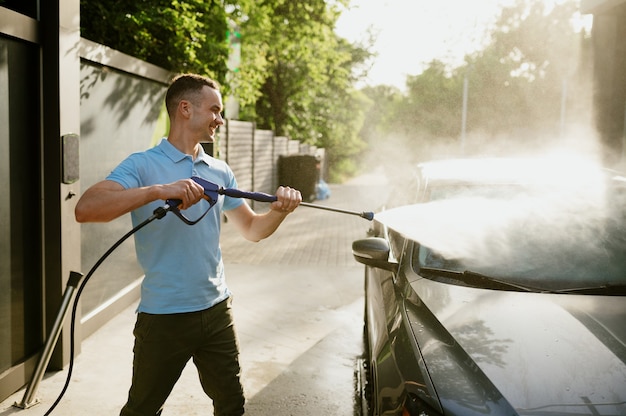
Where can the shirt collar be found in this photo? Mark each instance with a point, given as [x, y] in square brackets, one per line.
[176, 155]
[203, 157]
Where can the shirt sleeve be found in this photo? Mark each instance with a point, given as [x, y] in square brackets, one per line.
[126, 174]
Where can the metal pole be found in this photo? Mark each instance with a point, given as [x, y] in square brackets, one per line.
[563, 106]
[624, 137]
[368, 215]
[28, 400]
[464, 114]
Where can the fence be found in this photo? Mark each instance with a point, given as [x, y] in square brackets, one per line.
[254, 154]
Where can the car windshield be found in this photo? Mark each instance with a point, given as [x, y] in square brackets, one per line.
[545, 237]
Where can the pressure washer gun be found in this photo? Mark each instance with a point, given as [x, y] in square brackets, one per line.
[212, 192]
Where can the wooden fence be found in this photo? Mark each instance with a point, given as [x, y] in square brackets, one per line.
[254, 154]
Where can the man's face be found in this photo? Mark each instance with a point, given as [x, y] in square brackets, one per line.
[207, 114]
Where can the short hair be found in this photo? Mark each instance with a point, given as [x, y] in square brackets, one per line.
[186, 87]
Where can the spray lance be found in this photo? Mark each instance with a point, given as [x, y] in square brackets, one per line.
[211, 192]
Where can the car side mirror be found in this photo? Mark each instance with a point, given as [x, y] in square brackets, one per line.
[374, 252]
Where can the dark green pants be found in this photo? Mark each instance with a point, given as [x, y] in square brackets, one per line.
[163, 346]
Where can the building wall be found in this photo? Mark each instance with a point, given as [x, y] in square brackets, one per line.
[118, 115]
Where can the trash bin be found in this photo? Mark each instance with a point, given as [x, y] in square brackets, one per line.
[299, 172]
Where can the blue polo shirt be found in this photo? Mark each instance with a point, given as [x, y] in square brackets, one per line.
[182, 263]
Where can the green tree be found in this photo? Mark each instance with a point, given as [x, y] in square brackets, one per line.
[520, 76]
[516, 84]
[308, 91]
[295, 77]
[383, 102]
[181, 36]
[432, 102]
[252, 20]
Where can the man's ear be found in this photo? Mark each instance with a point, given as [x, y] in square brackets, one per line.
[184, 108]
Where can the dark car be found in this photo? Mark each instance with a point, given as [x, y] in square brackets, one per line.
[502, 291]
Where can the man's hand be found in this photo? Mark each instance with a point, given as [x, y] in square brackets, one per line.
[288, 199]
[188, 191]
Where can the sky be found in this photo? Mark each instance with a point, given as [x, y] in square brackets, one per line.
[411, 33]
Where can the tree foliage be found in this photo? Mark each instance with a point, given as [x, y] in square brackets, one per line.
[295, 75]
[519, 87]
[178, 35]
[521, 76]
[308, 92]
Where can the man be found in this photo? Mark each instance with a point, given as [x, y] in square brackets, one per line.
[185, 309]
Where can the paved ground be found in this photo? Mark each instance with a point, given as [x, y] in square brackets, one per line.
[298, 305]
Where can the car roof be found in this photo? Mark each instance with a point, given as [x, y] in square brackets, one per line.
[547, 170]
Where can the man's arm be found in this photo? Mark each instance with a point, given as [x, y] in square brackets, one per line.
[107, 200]
[255, 227]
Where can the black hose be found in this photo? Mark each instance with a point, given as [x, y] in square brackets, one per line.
[158, 214]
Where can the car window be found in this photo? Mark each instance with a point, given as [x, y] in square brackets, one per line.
[553, 247]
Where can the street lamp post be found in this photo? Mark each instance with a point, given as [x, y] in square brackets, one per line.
[464, 112]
